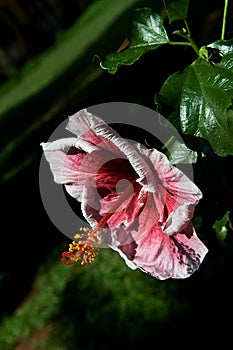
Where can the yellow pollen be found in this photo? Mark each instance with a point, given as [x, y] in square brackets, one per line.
[85, 249]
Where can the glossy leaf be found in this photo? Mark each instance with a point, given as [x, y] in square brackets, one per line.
[222, 226]
[148, 33]
[181, 154]
[176, 9]
[199, 100]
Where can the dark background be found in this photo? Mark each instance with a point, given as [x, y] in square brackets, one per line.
[28, 236]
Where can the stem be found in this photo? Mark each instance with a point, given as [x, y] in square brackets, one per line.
[187, 27]
[180, 43]
[189, 37]
[185, 43]
[224, 20]
[194, 46]
[168, 143]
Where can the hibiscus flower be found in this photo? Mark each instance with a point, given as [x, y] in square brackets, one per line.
[134, 200]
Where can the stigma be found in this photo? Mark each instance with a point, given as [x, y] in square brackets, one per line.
[84, 248]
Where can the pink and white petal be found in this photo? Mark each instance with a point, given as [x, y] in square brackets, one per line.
[127, 210]
[56, 153]
[125, 238]
[123, 242]
[117, 208]
[128, 262]
[175, 192]
[84, 125]
[173, 180]
[162, 256]
[176, 253]
[90, 206]
[71, 165]
[84, 174]
[172, 215]
[96, 131]
[156, 253]
[178, 219]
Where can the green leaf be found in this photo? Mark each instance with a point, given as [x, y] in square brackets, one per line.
[199, 99]
[148, 33]
[225, 46]
[197, 222]
[222, 226]
[176, 9]
[179, 153]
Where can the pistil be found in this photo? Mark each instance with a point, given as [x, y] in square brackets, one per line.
[87, 246]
